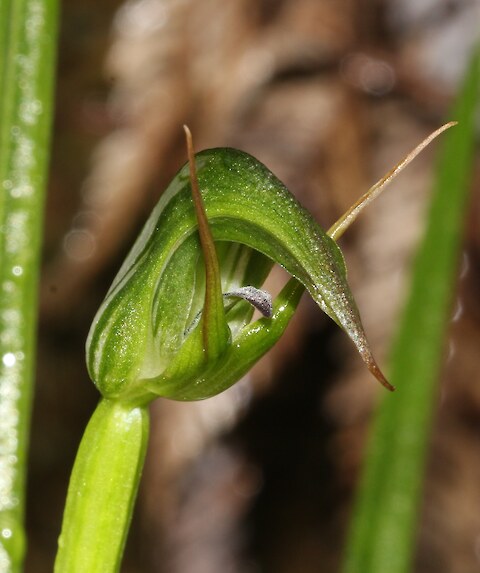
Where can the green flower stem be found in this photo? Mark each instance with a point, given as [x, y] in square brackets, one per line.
[27, 60]
[383, 534]
[102, 489]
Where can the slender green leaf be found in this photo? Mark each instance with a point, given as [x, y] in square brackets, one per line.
[5, 7]
[383, 533]
[27, 41]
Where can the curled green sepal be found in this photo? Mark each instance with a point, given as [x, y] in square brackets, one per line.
[142, 342]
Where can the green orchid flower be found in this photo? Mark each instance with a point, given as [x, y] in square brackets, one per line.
[144, 341]
[177, 322]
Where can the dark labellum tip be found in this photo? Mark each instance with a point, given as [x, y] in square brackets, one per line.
[375, 370]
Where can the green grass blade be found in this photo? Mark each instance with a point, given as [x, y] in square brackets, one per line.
[5, 7]
[384, 522]
[27, 41]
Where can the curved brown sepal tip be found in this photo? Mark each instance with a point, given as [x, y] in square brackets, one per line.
[375, 370]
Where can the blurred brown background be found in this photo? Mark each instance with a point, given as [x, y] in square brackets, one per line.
[329, 95]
